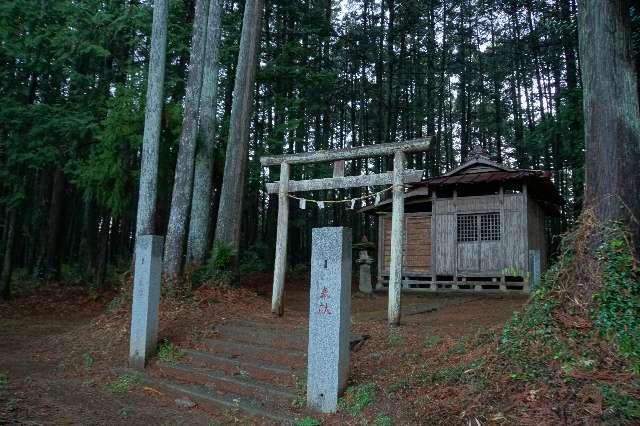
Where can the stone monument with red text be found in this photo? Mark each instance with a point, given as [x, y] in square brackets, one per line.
[329, 317]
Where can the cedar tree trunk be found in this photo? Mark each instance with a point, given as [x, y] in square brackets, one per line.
[611, 113]
[145, 224]
[202, 185]
[232, 191]
[183, 181]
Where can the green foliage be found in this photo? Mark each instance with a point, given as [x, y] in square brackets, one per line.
[4, 381]
[383, 420]
[87, 360]
[75, 274]
[617, 315]
[528, 338]
[218, 267]
[301, 383]
[73, 99]
[110, 171]
[356, 398]
[253, 259]
[119, 300]
[124, 383]
[472, 374]
[221, 257]
[167, 351]
[485, 337]
[620, 404]
[535, 344]
[515, 272]
[431, 341]
[308, 421]
[301, 392]
[395, 337]
[460, 347]
[300, 401]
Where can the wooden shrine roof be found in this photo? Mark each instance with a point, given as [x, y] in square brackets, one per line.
[538, 182]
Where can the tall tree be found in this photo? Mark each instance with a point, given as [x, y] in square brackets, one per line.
[72, 98]
[200, 222]
[232, 191]
[5, 276]
[183, 180]
[611, 112]
[153, 116]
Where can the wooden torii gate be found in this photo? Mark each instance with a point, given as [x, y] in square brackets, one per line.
[398, 177]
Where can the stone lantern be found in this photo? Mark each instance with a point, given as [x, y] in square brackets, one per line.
[365, 261]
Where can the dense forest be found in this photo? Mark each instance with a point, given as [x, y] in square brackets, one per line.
[501, 74]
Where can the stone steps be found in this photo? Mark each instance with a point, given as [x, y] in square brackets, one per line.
[213, 400]
[277, 327]
[272, 337]
[237, 385]
[292, 357]
[295, 338]
[248, 368]
[256, 368]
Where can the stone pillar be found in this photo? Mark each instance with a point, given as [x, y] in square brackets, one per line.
[329, 317]
[146, 299]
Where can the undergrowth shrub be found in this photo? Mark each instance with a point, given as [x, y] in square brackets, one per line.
[124, 383]
[123, 296]
[621, 404]
[75, 274]
[253, 259]
[617, 314]
[301, 391]
[395, 337]
[356, 398]
[383, 420]
[471, 373]
[308, 421]
[528, 339]
[583, 322]
[87, 360]
[168, 352]
[431, 341]
[218, 267]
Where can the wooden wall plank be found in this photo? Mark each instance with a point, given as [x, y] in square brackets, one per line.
[417, 248]
[444, 238]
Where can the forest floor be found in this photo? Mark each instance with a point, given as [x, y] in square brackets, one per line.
[62, 353]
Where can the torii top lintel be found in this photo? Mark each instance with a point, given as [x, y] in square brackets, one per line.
[414, 145]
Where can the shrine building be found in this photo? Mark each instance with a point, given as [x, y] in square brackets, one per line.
[479, 227]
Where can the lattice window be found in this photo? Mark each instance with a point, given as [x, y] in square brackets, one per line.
[467, 228]
[490, 226]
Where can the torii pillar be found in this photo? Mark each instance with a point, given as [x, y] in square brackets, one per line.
[397, 239]
[280, 265]
[398, 178]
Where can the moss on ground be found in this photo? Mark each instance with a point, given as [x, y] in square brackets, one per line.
[580, 333]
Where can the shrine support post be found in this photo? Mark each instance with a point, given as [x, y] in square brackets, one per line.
[280, 266]
[397, 239]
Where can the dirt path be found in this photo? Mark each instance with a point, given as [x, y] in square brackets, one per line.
[60, 356]
[49, 377]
